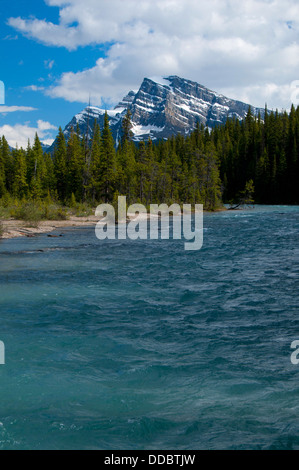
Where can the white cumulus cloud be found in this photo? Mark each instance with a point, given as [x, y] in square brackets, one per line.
[250, 48]
[13, 109]
[20, 133]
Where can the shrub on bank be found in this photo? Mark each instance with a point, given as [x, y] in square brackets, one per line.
[32, 211]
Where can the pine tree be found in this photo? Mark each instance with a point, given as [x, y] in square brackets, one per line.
[127, 133]
[141, 170]
[75, 166]
[38, 185]
[127, 170]
[60, 166]
[94, 170]
[107, 172]
[20, 186]
[2, 173]
[7, 162]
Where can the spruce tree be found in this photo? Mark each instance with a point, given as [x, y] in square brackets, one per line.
[60, 166]
[94, 167]
[108, 176]
[38, 186]
[127, 133]
[20, 186]
[75, 166]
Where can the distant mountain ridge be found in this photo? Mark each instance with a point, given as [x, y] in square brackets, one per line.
[163, 107]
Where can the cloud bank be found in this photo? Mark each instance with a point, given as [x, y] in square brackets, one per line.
[20, 133]
[14, 109]
[247, 50]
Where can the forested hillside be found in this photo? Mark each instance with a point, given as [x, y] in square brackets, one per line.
[205, 167]
[266, 152]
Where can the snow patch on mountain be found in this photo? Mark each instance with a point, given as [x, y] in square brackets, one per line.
[161, 81]
[140, 131]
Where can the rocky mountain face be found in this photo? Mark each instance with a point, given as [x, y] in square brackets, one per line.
[163, 107]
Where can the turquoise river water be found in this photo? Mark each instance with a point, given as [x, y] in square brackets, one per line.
[142, 345]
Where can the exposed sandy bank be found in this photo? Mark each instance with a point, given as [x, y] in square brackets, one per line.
[18, 228]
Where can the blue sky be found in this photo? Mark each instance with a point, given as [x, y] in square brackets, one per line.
[29, 68]
[57, 53]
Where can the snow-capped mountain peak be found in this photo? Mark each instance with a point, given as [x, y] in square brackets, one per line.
[164, 106]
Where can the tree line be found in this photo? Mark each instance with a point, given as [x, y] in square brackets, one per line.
[264, 151]
[206, 166]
